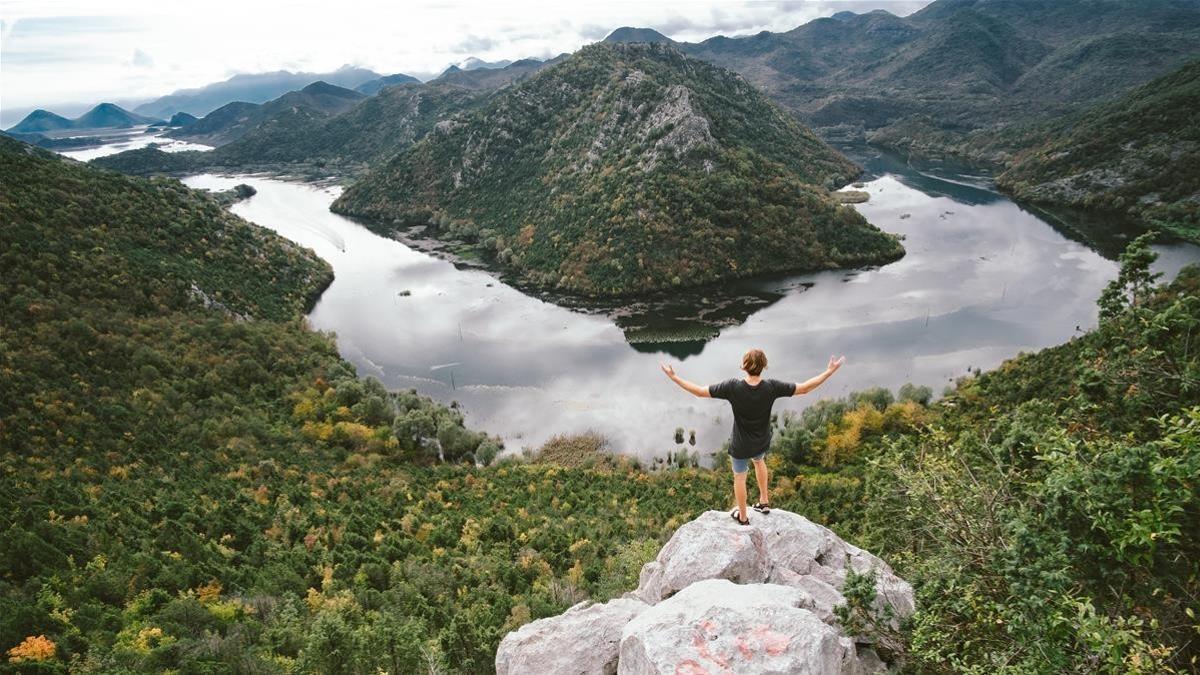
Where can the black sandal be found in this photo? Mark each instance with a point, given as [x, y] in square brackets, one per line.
[734, 514]
[762, 507]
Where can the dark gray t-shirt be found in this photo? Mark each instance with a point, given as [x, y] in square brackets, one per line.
[751, 413]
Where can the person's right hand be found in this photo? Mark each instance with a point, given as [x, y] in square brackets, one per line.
[835, 363]
[670, 371]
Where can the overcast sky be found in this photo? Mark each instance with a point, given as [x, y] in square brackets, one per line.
[54, 52]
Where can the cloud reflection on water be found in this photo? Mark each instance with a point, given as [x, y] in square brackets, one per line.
[983, 280]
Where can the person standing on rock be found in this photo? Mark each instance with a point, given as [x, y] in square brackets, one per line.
[751, 398]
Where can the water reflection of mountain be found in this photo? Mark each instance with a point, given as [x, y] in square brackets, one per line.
[1106, 234]
[678, 323]
[933, 178]
[679, 349]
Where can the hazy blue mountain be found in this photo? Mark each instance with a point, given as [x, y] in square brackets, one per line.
[372, 87]
[321, 96]
[472, 63]
[110, 116]
[250, 88]
[629, 34]
[102, 116]
[232, 121]
[309, 142]
[489, 79]
[181, 119]
[41, 120]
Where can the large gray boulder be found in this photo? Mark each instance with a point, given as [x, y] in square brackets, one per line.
[716, 626]
[584, 639]
[724, 598]
[781, 548]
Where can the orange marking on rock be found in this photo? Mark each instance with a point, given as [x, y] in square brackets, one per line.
[745, 647]
[775, 642]
[689, 667]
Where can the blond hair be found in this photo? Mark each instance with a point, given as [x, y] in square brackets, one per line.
[754, 361]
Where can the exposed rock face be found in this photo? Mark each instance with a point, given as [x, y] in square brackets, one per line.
[722, 598]
[686, 128]
[782, 548]
[584, 639]
[716, 626]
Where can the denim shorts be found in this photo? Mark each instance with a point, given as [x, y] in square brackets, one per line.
[742, 466]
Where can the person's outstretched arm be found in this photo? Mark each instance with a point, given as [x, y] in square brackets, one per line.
[690, 387]
[813, 383]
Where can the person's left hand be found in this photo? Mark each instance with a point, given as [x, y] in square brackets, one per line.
[834, 364]
[666, 368]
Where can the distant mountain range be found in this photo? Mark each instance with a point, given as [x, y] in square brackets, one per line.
[489, 79]
[181, 119]
[957, 64]
[372, 87]
[624, 169]
[103, 116]
[989, 81]
[472, 63]
[326, 140]
[250, 88]
[233, 120]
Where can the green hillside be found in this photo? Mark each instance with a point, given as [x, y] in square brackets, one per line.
[1138, 155]
[1047, 514]
[627, 168]
[159, 388]
[371, 131]
[192, 490]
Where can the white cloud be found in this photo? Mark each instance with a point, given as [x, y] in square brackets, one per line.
[141, 59]
[58, 51]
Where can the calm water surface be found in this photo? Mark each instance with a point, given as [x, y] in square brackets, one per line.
[119, 140]
[983, 280]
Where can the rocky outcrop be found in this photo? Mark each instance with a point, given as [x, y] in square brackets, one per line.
[722, 598]
[584, 639]
[716, 626]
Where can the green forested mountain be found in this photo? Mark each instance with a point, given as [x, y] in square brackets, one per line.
[152, 351]
[181, 119]
[372, 87]
[1139, 155]
[371, 131]
[41, 120]
[224, 123]
[627, 168]
[960, 65]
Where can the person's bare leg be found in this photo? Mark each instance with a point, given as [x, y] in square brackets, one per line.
[739, 494]
[760, 473]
